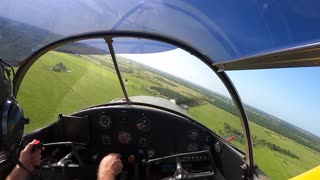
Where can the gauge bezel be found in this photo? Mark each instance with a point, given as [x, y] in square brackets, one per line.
[124, 137]
[143, 123]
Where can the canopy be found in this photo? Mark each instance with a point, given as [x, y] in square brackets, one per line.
[221, 30]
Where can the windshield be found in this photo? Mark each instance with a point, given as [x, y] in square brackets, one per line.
[280, 104]
[187, 82]
[69, 79]
[222, 31]
[79, 75]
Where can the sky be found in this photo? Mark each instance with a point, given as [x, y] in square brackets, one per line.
[183, 65]
[291, 94]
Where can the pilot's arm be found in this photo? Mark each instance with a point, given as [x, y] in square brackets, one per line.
[109, 167]
[29, 159]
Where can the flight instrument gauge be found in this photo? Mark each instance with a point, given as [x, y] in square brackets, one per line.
[104, 122]
[124, 137]
[144, 142]
[143, 123]
[192, 147]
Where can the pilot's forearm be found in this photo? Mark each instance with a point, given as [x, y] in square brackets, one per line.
[18, 173]
[106, 176]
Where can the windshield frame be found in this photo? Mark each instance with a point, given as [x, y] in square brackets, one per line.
[108, 35]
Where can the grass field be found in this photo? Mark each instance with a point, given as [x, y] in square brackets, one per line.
[274, 164]
[45, 93]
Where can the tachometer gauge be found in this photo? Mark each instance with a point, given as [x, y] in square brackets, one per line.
[104, 121]
[143, 123]
[124, 137]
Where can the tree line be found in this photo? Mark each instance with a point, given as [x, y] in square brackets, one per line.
[283, 128]
[257, 142]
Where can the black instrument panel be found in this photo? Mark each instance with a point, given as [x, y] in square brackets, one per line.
[145, 136]
[143, 132]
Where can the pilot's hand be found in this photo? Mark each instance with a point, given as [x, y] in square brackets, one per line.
[30, 157]
[109, 167]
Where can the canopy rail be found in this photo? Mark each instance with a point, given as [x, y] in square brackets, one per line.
[300, 56]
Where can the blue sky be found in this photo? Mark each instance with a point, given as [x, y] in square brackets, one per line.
[291, 94]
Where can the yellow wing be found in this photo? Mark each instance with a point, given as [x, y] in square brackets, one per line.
[313, 174]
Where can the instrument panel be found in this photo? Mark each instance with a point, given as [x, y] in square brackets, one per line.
[124, 129]
[143, 136]
[149, 139]
[143, 132]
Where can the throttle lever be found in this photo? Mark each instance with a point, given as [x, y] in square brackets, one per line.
[36, 144]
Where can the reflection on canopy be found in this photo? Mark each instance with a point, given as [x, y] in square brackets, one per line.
[220, 30]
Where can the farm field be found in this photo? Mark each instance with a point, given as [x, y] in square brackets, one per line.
[50, 88]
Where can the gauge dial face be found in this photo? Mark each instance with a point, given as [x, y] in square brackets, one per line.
[144, 142]
[105, 140]
[143, 124]
[193, 135]
[104, 122]
[192, 147]
[124, 137]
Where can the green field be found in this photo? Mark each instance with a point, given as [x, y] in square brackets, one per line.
[91, 80]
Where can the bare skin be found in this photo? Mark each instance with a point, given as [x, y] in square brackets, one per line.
[110, 166]
[29, 160]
